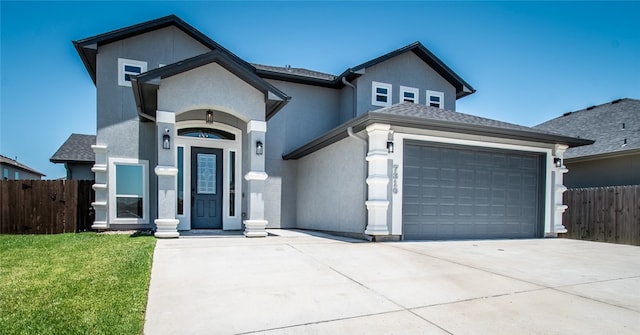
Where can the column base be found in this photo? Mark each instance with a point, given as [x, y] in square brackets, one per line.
[255, 228]
[166, 228]
[99, 225]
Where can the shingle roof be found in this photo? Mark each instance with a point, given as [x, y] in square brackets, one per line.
[311, 77]
[77, 148]
[16, 164]
[602, 123]
[296, 71]
[433, 113]
[418, 116]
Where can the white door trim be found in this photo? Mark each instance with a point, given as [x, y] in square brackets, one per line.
[227, 146]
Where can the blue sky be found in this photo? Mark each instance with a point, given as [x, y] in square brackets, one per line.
[528, 61]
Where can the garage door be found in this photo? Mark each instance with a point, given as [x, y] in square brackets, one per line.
[456, 192]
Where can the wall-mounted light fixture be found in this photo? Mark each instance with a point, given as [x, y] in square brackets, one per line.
[166, 142]
[558, 162]
[390, 142]
[259, 148]
[209, 117]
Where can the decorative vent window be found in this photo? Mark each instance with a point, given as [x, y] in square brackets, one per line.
[128, 68]
[380, 94]
[129, 198]
[409, 94]
[435, 99]
[209, 133]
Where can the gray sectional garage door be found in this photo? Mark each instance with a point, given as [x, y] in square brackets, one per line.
[456, 192]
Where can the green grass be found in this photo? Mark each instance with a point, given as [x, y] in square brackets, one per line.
[74, 283]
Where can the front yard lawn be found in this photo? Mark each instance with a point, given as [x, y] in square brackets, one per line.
[74, 283]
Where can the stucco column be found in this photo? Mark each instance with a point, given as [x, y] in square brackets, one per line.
[166, 223]
[255, 225]
[377, 195]
[557, 176]
[99, 168]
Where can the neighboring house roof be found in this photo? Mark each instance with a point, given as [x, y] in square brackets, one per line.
[615, 127]
[4, 160]
[145, 85]
[305, 76]
[412, 115]
[77, 148]
[88, 48]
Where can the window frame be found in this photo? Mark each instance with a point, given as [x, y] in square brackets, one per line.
[415, 91]
[374, 101]
[113, 214]
[439, 94]
[122, 63]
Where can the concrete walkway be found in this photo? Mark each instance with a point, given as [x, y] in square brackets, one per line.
[299, 283]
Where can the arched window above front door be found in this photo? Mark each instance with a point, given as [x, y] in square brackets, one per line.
[206, 133]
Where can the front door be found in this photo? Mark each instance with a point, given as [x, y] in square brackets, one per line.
[206, 188]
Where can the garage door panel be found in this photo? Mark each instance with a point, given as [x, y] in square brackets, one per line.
[470, 193]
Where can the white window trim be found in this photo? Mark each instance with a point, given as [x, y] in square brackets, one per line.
[112, 191]
[436, 94]
[415, 91]
[122, 62]
[388, 87]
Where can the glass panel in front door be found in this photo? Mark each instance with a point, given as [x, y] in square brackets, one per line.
[206, 173]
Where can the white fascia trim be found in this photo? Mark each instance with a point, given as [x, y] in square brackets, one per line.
[398, 154]
[255, 125]
[165, 117]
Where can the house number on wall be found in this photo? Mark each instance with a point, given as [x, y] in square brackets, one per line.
[395, 179]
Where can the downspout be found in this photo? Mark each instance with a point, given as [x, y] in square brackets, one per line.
[355, 101]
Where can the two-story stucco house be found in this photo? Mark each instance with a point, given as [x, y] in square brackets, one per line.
[190, 136]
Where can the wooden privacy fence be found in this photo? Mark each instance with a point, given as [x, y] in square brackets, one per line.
[45, 206]
[606, 214]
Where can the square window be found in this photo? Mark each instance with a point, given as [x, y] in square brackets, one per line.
[435, 99]
[380, 94]
[128, 68]
[408, 94]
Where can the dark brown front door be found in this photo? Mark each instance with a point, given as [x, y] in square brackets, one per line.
[206, 188]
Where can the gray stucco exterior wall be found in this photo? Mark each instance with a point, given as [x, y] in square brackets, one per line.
[403, 70]
[118, 124]
[80, 171]
[22, 174]
[331, 188]
[616, 171]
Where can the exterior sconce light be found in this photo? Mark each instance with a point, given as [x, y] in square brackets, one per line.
[209, 117]
[166, 142]
[390, 147]
[259, 148]
[558, 162]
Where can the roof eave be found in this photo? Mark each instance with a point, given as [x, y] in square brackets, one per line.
[369, 118]
[606, 155]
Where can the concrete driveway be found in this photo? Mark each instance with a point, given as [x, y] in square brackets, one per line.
[298, 283]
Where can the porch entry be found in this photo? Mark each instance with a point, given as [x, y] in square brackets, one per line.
[206, 188]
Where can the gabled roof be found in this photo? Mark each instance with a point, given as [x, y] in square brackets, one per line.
[88, 48]
[615, 127]
[305, 76]
[77, 148]
[145, 85]
[419, 116]
[12, 162]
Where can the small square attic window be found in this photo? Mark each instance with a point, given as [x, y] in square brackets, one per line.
[380, 94]
[435, 99]
[408, 94]
[128, 68]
